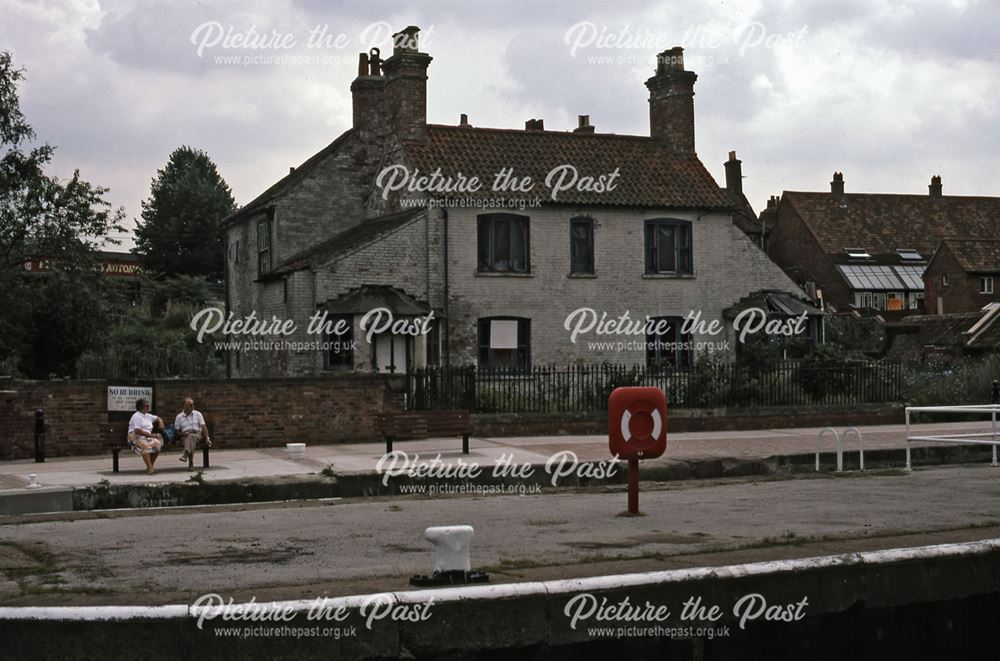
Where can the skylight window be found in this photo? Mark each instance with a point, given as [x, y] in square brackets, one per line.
[857, 253]
[909, 254]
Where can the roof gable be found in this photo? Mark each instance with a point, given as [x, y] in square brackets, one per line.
[364, 232]
[975, 255]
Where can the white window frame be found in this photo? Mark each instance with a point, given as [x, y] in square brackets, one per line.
[986, 284]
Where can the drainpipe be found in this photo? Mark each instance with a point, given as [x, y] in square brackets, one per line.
[225, 284]
[447, 317]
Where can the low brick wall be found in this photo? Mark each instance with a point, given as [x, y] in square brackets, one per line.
[240, 412]
[686, 420]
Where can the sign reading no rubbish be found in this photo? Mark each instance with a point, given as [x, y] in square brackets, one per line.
[122, 398]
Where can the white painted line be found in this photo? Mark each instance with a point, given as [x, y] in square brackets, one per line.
[94, 613]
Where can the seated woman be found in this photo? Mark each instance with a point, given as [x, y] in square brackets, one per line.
[144, 442]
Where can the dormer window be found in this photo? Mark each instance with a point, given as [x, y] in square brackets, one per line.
[857, 253]
[909, 255]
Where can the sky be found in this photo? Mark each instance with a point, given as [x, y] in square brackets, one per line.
[888, 92]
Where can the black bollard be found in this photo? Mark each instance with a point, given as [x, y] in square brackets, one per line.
[39, 436]
[996, 391]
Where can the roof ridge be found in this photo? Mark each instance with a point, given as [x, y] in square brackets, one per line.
[567, 133]
[922, 196]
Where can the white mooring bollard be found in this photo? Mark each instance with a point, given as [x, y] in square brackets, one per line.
[451, 544]
[33, 481]
[452, 565]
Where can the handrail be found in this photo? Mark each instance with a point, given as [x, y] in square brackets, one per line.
[973, 438]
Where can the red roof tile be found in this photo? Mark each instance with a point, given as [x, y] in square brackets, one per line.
[881, 223]
[650, 174]
[976, 255]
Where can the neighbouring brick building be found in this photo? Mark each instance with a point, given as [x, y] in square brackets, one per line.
[335, 237]
[963, 274]
[870, 250]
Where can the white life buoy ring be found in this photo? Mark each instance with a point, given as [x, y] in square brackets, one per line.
[627, 418]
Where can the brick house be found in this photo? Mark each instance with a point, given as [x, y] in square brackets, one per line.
[870, 250]
[963, 275]
[333, 238]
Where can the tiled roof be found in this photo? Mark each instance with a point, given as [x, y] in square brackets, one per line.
[976, 255]
[946, 331]
[370, 297]
[650, 174]
[360, 234]
[743, 213]
[881, 223]
[778, 303]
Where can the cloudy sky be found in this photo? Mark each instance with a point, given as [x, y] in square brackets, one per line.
[889, 92]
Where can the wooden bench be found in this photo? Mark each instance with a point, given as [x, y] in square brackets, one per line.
[116, 438]
[412, 425]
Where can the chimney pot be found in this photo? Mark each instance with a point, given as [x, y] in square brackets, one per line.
[406, 39]
[671, 59]
[534, 125]
[772, 203]
[362, 64]
[374, 62]
[935, 187]
[291, 169]
[463, 120]
[837, 185]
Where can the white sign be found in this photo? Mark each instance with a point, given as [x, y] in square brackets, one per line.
[123, 398]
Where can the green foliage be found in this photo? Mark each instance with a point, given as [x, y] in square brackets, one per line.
[963, 382]
[856, 336]
[327, 471]
[46, 322]
[70, 313]
[145, 343]
[824, 372]
[758, 352]
[181, 229]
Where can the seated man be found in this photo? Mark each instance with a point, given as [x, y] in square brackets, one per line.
[144, 442]
[190, 426]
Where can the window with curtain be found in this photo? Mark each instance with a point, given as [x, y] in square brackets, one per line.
[669, 246]
[581, 245]
[503, 243]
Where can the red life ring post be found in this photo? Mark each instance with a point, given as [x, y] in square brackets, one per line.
[637, 429]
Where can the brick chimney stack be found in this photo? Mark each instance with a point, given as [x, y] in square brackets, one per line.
[734, 174]
[406, 86]
[837, 185]
[671, 101]
[368, 93]
[935, 187]
[584, 125]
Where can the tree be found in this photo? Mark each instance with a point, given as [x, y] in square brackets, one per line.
[42, 216]
[181, 228]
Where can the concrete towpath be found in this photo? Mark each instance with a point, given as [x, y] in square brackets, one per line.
[363, 458]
